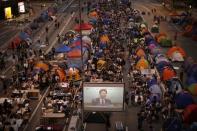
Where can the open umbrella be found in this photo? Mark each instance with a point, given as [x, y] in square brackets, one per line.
[176, 49]
[62, 75]
[183, 99]
[190, 114]
[193, 89]
[177, 56]
[168, 73]
[42, 66]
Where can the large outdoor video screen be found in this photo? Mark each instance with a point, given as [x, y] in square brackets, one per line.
[103, 96]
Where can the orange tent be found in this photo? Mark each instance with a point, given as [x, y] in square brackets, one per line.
[168, 73]
[140, 52]
[41, 65]
[142, 64]
[74, 54]
[62, 74]
[104, 38]
[176, 49]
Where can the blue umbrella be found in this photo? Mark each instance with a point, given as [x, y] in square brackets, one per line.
[62, 49]
[23, 36]
[183, 99]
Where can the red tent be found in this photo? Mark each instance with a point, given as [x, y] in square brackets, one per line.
[83, 26]
[190, 114]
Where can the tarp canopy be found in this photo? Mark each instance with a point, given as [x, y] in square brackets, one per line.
[193, 89]
[74, 53]
[168, 73]
[42, 66]
[142, 64]
[83, 26]
[190, 114]
[176, 49]
[183, 99]
[62, 49]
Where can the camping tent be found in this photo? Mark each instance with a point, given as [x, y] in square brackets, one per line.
[183, 99]
[142, 64]
[190, 114]
[140, 52]
[168, 73]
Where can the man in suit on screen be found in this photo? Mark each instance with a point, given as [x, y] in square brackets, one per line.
[102, 100]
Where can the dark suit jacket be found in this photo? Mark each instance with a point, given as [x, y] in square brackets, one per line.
[97, 102]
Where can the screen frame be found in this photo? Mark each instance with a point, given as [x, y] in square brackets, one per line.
[102, 83]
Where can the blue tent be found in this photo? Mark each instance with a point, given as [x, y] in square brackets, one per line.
[23, 36]
[183, 99]
[62, 49]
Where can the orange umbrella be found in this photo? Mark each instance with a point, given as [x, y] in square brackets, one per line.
[104, 38]
[168, 74]
[41, 65]
[140, 52]
[176, 49]
[93, 14]
[142, 64]
[62, 74]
